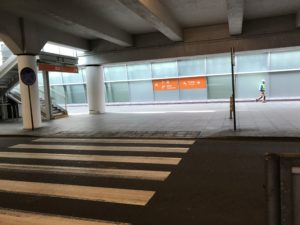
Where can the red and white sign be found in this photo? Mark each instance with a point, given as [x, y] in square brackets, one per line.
[165, 85]
[192, 82]
[55, 68]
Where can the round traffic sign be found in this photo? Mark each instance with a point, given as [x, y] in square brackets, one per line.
[28, 76]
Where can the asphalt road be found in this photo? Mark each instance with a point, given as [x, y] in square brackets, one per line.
[215, 182]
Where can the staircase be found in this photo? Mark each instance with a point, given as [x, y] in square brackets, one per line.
[56, 110]
[9, 79]
[8, 74]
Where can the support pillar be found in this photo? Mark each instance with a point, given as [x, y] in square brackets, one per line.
[48, 103]
[3, 107]
[29, 61]
[95, 89]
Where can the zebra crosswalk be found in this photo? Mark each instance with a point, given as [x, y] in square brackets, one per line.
[118, 160]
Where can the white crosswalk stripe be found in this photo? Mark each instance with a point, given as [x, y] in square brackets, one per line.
[94, 158]
[14, 217]
[103, 148]
[116, 140]
[114, 195]
[101, 172]
[122, 196]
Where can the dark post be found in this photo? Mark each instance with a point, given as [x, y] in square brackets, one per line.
[31, 116]
[272, 174]
[233, 87]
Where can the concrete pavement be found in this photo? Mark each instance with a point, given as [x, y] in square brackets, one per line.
[271, 119]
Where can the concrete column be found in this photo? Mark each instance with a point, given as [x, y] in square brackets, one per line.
[29, 61]
[3, 107]
[48, 103]
[95, 89]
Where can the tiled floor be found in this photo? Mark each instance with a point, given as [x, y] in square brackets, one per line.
[181, 120]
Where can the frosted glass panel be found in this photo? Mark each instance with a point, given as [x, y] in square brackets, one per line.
[72, 78]
[76, 94]
[141, 91]
[171, 95]
[115, 73]
[285, 84]
[193, 94]
[117, 92]
[247, 86]
[285, 60]
[219, 87]
[139, 71]
[165, 69]
[58, 94]
[219, 64]
[252, 62]
[55, 78]
[191, 67]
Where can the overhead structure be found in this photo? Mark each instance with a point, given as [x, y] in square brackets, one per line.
[235, 9]
[156, 14]
[72, 19]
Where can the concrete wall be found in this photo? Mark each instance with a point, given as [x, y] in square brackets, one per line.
[275, 32]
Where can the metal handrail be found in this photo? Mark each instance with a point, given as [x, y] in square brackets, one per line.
[53, 99]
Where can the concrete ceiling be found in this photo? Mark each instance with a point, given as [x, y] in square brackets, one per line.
[193, 13]
[117, 20]
[267, 8]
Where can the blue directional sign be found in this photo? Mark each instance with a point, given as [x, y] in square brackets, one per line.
[28, 76]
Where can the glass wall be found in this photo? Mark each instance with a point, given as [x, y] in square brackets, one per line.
[205, 77]
[66, 88]
[189, 79]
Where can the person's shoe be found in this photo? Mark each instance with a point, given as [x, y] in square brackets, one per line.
[256, 100]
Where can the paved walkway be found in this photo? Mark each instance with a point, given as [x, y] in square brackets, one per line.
[272, 119]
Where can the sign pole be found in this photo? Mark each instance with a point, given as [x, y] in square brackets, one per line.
[233, 87]
[28, 78]
[30, 105]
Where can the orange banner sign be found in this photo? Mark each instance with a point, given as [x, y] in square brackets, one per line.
[55, 68]
[165, 85]
[192, 82]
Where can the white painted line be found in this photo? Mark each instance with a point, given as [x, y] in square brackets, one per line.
[101, 194]
[94, 158]
[102, 148]
[115, 141]
[296, 170]
[114, 173]
[13, 217]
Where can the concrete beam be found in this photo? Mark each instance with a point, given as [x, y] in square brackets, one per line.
[235, 9]
[25, 36]
[274, 32]
[157, 15]
[59, 37]
[99, 29]
[68, 17]
[298, 19]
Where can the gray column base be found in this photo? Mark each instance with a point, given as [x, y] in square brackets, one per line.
[92, 112]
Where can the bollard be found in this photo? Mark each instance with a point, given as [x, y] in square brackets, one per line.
[272, 179]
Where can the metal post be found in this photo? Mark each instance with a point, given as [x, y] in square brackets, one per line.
[272, 174]
[30, 104]
[48, 103]
[233, 87]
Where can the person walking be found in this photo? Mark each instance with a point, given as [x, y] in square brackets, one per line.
[262, 89]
